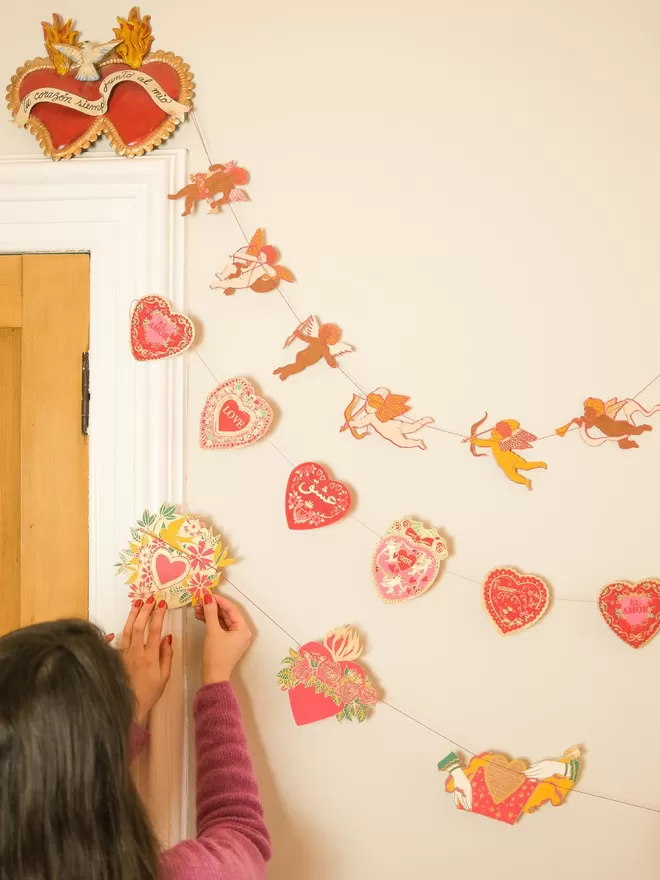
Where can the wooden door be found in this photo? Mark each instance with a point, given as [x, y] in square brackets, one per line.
[44, 330]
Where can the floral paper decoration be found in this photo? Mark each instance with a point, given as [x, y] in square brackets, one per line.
[492, 785]
[324, 679]
[632, 611]
[514, 600]
[157, 332]
[233, 416]
[313, 500]
[172, 557]
[384, 413]
[407, 560]
[117, 88]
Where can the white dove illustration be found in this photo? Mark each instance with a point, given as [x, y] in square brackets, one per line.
[86, 56]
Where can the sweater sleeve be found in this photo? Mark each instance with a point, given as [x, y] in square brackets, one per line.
[232, 839]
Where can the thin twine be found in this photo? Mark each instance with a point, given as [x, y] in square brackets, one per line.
[205, 147]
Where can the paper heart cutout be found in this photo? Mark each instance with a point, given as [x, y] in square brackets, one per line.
[168, 570]
[306, 705]
[407, 560]
[232, 401]
[632, 611]
[157, 332]
[134, 123]
[503, 778]
[313, 500]
[514, 600]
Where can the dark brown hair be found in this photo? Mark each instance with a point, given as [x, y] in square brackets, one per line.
[68, 806]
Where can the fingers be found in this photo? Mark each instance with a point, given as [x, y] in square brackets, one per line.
[127, 632]
[166, 655]
[156, 626]
[109, 639]
[232, 615]
[211, 617]
[140, 624]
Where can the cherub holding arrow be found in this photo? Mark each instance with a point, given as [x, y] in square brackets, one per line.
[322, 341]
[383, 412]
[506, 436]
[254, 266]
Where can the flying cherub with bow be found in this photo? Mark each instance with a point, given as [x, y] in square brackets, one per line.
[254, 266]
[504, 438]
[322, 342]
[383, 412]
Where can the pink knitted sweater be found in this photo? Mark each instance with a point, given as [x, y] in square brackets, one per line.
[232, 840]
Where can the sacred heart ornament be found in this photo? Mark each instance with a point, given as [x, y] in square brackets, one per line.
[157, 332]
[234, 416]
[407, 560]
[514, 600]
[632, 611]
[85, 89]
[313, 500]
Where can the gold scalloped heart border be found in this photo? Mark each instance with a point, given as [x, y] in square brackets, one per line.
[102, 125]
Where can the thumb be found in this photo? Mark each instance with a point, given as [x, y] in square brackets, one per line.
[166, 654]
[211, 615]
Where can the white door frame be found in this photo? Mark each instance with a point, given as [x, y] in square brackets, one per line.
[116, 209]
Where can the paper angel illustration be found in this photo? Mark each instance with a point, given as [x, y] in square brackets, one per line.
[383, 412]
[504, 438]
[254, 266]
[322, 341]
[223, 180]
[494, 786]
[600, 424]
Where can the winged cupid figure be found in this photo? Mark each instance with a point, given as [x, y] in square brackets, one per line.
[383, 412]
[86, 56]
[322, 341]
[254, 266]
[504, 438]
[600, 424]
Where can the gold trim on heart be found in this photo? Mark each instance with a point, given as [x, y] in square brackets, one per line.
[503, 778]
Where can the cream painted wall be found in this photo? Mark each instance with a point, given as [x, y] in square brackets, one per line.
[471, 191]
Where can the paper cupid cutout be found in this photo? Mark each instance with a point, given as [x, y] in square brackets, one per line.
[254, 266]
[611, 421]
[313, 500]
[322, 342]
[632, 611]
[384, 413]
[157, 332]
[220, 180]
[494, 786]
[324, 680]
[407, 560]
[85, 89]
[173, 557]
[514, 600]
[506, 436]
[234, 416]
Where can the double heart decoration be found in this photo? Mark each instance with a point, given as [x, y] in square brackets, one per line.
[234, 416]
[313, 500]
[514, 600]
[83, 89]
[157, 332]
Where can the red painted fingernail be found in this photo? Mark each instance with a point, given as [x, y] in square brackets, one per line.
[169, 640]
[138, 603]
[208, 598]
[151, 600]
[110, 636]
[162, 604]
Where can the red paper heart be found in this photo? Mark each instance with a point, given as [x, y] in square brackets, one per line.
[632, 611]
[514, 600]
[306, 705]
[167, 569]
[231, 417]
[313, 500]
[133, 122]
[406, 560]
[157, 332]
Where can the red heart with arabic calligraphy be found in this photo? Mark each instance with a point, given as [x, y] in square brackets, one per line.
[133, 122]
[632, 611]
[514, 600]
[157, 332]
[313, 500]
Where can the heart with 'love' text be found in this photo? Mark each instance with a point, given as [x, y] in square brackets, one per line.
[514, 600]
[157, 332]
[632, 611]
[313, 500]
[234, 416]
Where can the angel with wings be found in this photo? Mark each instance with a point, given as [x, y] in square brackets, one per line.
[504, 438]
[601, 417]
[384, 413]
[322, 341]
[254, 266]
[86, 56]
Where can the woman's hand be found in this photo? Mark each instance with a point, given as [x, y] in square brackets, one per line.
[546, 769]
[149, 662]
[462, 789]
[228, 637]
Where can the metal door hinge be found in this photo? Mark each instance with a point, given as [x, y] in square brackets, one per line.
[84, 403]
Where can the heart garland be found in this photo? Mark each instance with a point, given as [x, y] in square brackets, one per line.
[234, 416]
[157, 332]
[514, 600]
[313, 500]
[632, 611]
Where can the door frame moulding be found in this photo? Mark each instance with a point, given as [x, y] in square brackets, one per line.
[116, 209]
